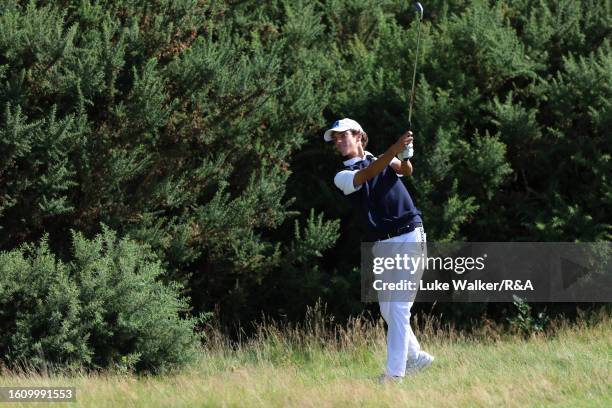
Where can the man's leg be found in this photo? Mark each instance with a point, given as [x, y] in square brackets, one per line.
[413, 344]
[415, 241]
[402, 344]
[417, 359]
[400, 338]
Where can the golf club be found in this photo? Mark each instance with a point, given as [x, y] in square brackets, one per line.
[408, 152]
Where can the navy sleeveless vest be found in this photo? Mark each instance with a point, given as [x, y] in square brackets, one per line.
[383, 203]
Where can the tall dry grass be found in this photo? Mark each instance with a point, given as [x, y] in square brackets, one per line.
[320, 363]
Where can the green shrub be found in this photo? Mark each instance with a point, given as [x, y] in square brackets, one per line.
[102, 309]
[524, 322]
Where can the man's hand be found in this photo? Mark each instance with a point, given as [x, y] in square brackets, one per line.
[403, 141]
[377, 166]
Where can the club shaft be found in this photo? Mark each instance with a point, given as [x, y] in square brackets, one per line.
[416, 58]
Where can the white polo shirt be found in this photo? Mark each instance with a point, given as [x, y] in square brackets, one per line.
[344, 178]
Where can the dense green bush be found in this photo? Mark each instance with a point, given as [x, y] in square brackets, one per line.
[104, 308]
[195, 127]
[172, 122]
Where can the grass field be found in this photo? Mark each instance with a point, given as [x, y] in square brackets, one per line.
[321, 365]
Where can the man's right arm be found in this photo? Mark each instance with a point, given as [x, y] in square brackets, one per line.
[344, 181]
[383, 161]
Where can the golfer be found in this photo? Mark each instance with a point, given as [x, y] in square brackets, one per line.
[374, 187]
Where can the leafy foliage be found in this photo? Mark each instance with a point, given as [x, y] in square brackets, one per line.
[195, 127]
[524, 322]
[102, 309]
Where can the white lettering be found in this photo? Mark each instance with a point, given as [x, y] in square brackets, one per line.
[459, 284]
[377, 265]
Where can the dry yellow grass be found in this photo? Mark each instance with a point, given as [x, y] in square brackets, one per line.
[319, 365]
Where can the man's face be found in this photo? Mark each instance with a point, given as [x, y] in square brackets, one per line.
[347, 143]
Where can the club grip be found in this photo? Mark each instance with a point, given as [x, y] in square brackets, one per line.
[408, 152]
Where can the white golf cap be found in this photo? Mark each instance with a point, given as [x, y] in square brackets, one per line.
[340, 126]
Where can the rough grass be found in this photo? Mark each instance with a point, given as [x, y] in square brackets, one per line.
[320, 364]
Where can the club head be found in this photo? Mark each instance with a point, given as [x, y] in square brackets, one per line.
[419, 9]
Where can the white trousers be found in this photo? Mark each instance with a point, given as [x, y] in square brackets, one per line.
[402, 345]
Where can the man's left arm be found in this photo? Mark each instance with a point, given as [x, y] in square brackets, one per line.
[402, 167]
